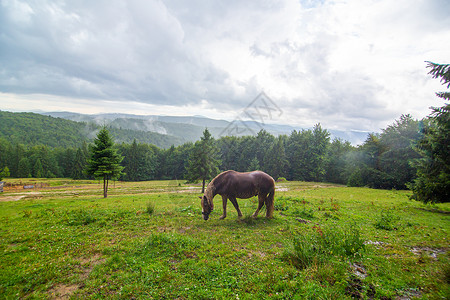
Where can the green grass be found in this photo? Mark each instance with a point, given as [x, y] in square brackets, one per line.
[148, 240]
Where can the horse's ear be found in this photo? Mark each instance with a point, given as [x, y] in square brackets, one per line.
[200, 197]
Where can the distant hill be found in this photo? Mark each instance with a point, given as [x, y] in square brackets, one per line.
[189, 129]
[54, 131]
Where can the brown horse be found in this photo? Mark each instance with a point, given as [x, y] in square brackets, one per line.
[231, 185]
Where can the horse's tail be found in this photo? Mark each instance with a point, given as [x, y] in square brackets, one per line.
[270, 203]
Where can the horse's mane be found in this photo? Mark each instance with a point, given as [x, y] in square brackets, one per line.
[209, 192]
[211, 188]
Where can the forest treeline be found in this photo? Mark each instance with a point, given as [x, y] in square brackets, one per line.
[382, 161]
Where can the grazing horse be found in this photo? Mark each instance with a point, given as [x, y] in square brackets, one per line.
[231, 185]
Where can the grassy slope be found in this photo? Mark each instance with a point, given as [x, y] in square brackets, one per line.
[69, 241]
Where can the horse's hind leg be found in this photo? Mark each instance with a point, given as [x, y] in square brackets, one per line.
[261, 201]
[270, 203]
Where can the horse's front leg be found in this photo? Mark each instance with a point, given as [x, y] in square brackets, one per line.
[236, 205]
[224, 204]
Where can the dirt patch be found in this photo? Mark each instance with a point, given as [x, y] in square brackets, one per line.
[165, 229]
[184, 229]
[93, 260]
[12, 198]
[258, 254]
[65, 291]
[432, 252]
[357, 289]
[358, 270]
[409, 294]
[303, 221]
[188, 189]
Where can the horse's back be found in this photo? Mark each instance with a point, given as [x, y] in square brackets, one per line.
[263, 181]
[244, 185]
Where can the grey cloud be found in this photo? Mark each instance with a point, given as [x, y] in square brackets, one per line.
[165, 52]
[132, 50]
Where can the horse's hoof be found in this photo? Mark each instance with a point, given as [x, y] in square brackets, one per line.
[222, 217]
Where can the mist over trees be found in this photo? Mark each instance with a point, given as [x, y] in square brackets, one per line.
[382, 161]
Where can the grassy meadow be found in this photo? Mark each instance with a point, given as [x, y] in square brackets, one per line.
[148, 240]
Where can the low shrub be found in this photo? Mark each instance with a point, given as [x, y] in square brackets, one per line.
[324, 244]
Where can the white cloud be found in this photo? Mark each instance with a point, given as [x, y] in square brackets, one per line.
[347, 64]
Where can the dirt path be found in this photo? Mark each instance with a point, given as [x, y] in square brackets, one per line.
[18, 196]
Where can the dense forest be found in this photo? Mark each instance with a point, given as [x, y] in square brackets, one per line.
[37, 146]
[32, 129]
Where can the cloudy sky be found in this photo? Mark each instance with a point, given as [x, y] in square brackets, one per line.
[348, 64]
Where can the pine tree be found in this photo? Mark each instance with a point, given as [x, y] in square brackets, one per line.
[24, 169]
[254, 165]
[320, 143]
[38, 170]
[132, 162]
[277, 165]
[203, 161]
[105, 161]
[433, 169]
[79, 165]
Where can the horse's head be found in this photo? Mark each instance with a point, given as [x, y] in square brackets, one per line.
[206, 207]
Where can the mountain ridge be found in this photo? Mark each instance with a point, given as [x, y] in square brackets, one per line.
[190, 128]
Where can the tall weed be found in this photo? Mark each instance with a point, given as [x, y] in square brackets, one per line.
[150, 208]
[387, 220]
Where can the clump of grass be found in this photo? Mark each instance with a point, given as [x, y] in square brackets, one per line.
[249, 220]
[150, 209]
[281, 206]
[27, 213]
[304, 213]
[387, 220]
[330, 216]
[324, 244]
[293, 199]
[79, 217]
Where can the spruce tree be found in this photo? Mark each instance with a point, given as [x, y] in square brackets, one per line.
[79, 165]
[105, 161]
[433, 168]
[203, 161]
